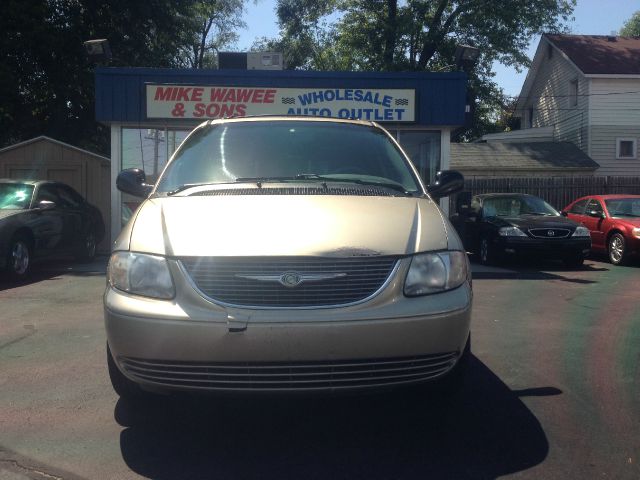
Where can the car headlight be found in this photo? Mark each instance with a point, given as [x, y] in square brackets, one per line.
[636, 232]
[581, 232]
[511, 232]
[141, 274]
[436, 272]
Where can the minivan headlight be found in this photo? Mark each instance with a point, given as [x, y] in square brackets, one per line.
[436, 272]
[141, 274]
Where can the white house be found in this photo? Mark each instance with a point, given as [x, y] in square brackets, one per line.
[585, 89]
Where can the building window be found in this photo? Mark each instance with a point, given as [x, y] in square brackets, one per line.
[626, 148]
[148, 149]
[573, 93]
[530, 117]
[423, 148]
[549, 51]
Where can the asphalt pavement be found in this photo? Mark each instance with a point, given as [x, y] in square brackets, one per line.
[553, 392]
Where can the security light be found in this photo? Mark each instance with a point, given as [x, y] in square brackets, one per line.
[466, 56]
[98, 50]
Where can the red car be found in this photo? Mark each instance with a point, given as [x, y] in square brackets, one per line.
[614, 223]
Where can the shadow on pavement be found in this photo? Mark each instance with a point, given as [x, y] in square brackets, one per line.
[52, 269]
[537, 270]
[484, 431]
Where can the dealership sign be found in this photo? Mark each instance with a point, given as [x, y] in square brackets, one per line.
[205, 102]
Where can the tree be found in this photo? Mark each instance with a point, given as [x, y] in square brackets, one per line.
[218, 23]
[417, 35]
[631, 27]
[46, 79]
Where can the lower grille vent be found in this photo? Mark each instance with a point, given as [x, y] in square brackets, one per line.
[291, 376]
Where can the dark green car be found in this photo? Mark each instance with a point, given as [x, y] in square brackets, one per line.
[44, 219]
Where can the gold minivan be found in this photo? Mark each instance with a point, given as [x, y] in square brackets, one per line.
[286, 254]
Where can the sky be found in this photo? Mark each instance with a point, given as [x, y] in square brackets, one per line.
[591, 17]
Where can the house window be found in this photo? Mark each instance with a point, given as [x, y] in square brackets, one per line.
[549, 51]
[626, 148]
[573, 93]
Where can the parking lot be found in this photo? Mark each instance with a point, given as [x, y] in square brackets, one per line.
[553, 392]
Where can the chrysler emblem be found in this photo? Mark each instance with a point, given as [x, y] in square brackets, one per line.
[290, 279]
[550, 233]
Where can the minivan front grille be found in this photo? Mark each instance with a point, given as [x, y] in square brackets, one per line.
[288, 282]
[283, 376]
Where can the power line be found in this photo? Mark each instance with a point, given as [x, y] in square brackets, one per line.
[574, 96]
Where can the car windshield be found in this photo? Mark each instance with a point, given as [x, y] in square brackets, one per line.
[288, 150]
[15, 196]
[623, 207]
[514, 206]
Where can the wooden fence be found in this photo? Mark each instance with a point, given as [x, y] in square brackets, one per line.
[557, 191]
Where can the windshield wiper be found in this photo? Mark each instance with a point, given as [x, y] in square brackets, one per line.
[326, 178]
[544, 214]
[192, 185]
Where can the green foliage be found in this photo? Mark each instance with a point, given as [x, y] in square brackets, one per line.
[218, 22]
[417, 35]
[46, 78]
[631, 27]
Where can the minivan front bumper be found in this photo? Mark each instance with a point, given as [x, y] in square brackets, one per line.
[190, 343]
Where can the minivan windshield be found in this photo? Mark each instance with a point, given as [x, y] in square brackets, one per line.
[15, 196]
[288, 150]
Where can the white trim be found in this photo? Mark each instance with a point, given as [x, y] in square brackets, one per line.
[445, 162]
[573, 100]
[52, 140]
[116, 196]
[634, 148]
[611, 75]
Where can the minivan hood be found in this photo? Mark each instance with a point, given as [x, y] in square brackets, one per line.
[278, 225]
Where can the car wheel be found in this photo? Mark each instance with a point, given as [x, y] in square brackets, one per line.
[487, 256]
[88, 248]
[19, 258]
[129, 391]
[617, 249]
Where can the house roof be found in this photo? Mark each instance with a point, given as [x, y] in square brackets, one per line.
[600, 54]
[544, 156]
[593, 55]
[52, 140]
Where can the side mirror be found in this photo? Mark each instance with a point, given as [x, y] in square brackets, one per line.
[564, 214]
[45, 205]
[134, 182]
[595, 214]
[446, 183]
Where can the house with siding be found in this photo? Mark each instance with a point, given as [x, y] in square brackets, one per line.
[585, 89]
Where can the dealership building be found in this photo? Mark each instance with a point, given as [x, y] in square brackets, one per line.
[150, 111]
